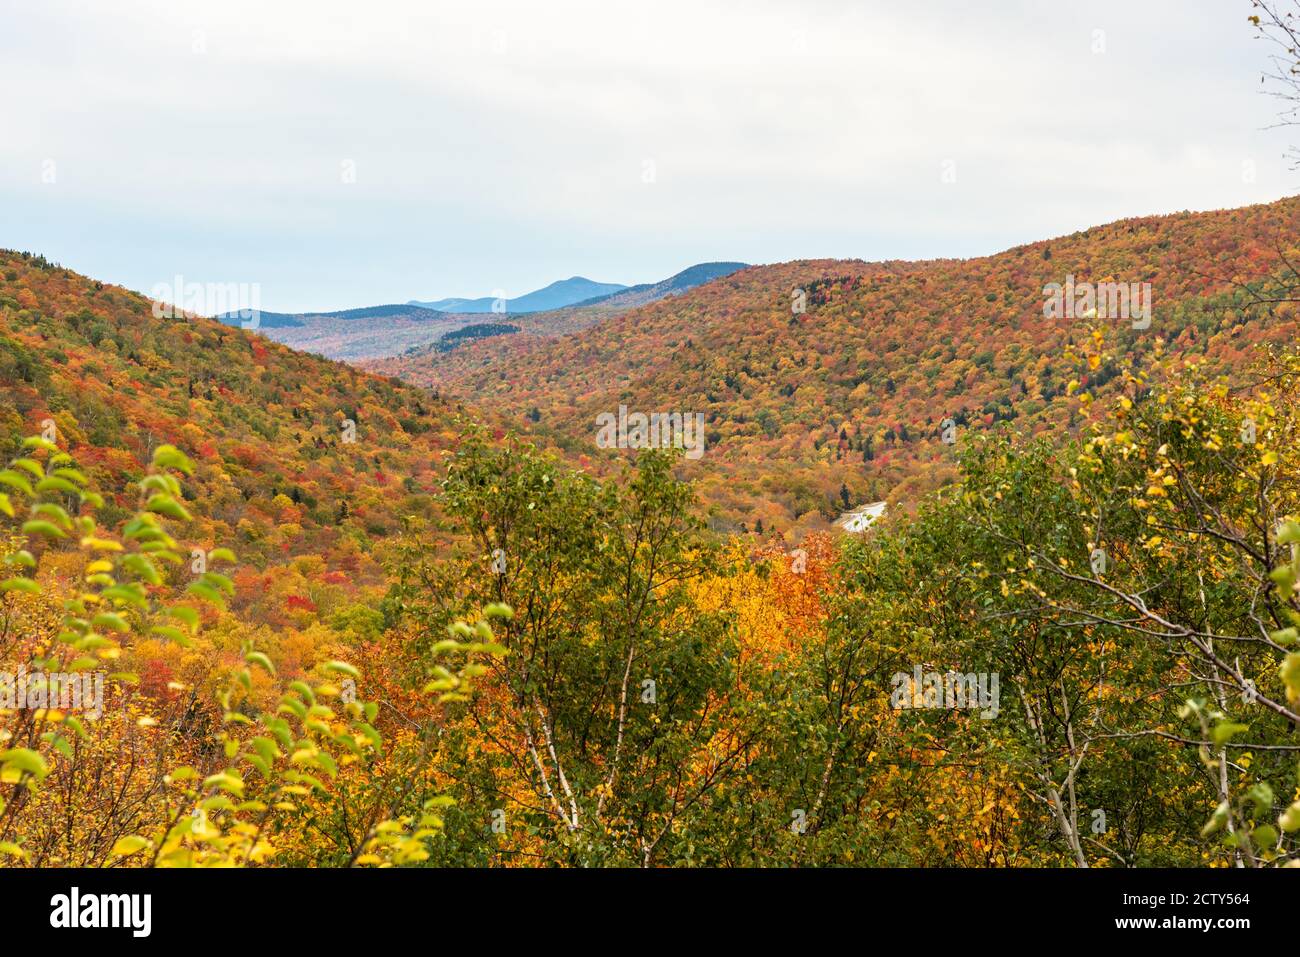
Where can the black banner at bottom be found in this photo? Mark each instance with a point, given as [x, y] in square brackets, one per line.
[135, 908]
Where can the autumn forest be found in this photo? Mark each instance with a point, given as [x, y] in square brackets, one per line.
[978, 562]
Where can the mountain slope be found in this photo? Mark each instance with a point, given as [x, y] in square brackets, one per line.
[352, 334]
[648, 292]
[303, 465]
[377, 332]
[436, 363]
[276, 320]
[353, 340]
[807, 413]
[563, 292]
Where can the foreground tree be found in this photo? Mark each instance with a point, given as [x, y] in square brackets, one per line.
[95, 778]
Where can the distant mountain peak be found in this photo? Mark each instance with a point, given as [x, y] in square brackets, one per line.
[688, 278]
[562, 292]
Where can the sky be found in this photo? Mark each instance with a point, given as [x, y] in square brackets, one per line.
[342, 154]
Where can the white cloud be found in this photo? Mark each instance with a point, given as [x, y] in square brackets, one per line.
[502, 145]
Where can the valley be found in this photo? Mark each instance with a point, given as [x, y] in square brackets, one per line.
[878, 464]
[851, 392]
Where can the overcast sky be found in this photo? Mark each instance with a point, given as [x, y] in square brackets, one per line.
[343, 154]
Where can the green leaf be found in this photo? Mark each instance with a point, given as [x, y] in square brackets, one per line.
[73, 722]
[160, 483]
[1289, 671]
[1265, 836]
[24, 759]
[1261, 795]
[1284, 578]
[41, 527]
[130, 594]
[226, 782]
[15, 481]
[141, 567]
[206, 593]
[1217, 820]
[170, 457]
[185, 614]
[1285, 636]
[52, 483]
[166, 505]
[172, 633]
[1224, 730]
[55, 512]
[111, 621]
[221, 581]
[261, 660]
[132, 844]
[71, 475]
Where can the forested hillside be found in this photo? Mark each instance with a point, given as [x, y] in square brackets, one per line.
[432, 363]
[851, 392]
[339, 621]
[304, 465]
